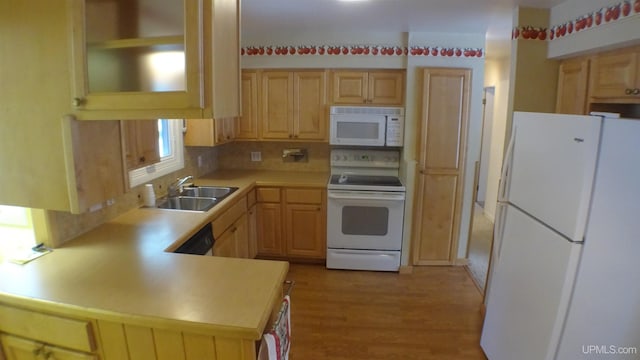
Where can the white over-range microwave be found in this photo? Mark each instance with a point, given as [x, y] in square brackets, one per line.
[366, 126]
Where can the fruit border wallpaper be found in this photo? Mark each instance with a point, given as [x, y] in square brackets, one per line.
[593, 19]
[363, 50]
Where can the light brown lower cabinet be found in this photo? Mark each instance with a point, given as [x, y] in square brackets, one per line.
[235, 241]
[34, 335]
[231, 231]
[291, 223]
[16, 348]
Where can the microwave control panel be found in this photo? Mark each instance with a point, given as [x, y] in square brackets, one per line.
[395, 131]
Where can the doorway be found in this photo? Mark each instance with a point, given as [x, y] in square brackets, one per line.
[481, 232]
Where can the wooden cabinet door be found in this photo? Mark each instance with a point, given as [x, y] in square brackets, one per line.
[16, 348]
[225, 244]
[305, 230]
[252, 231]
[277, 105]
[269, 225]
[111, 63]
[386, 88]
[614, 74]
[310, 100]
[572, 87]
[247, 125]
[225, 130]
[349, 87]
[141, 143]
[442, 144]
[241, 236]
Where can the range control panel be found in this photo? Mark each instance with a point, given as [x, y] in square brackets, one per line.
[365, 158]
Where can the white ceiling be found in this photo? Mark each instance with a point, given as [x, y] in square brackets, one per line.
[492, 17]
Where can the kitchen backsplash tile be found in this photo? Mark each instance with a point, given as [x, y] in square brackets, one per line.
[237, 155]
[64, 226]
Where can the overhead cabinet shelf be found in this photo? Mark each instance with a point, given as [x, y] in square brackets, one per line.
[137, 42]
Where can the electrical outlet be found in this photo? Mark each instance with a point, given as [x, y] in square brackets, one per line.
[256, 156]
[200, 161]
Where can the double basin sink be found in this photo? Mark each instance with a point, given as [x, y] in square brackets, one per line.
[196, 198]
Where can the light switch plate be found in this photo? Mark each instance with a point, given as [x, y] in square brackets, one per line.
[256, 156]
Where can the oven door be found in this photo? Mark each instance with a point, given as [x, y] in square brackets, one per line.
[367, 220]
[358, 130]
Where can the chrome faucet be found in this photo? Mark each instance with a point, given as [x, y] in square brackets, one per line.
[175, 189]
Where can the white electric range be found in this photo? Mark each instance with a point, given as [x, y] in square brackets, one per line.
[365, 210]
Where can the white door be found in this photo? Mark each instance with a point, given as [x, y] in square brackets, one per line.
[551, 168]
[366, 220]
[530, 290]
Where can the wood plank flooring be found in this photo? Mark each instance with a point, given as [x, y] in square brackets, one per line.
[433, 313]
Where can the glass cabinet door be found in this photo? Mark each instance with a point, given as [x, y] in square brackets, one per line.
[137, 54]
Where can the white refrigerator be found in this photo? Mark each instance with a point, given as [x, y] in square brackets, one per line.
[565, 279]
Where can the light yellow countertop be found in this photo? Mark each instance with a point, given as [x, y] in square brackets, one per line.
[120, 270]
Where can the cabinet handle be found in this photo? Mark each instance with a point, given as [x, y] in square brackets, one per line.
[628, 91]
[636, 91]
[77, 102]
[38, 351]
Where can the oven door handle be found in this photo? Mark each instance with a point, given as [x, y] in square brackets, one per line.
[383, 197]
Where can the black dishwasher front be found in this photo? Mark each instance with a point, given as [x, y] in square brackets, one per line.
[201, 243]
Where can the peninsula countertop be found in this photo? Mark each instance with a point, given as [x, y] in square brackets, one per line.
[121, 269]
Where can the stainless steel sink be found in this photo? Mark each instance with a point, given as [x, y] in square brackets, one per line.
[219, 192]
[188, 203]
[196, 198]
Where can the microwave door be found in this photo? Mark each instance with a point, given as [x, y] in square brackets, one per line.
[358, 130]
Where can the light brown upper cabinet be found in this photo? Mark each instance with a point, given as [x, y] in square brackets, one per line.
[615, 77]
[49, 160]
[140, 140]
[247, 125]
[136, 59]
[209, 132]
[380, 87]
[573, 79]
[441, 156]
[293, 105]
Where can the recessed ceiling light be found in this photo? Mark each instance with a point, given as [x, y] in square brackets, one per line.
[353, 0]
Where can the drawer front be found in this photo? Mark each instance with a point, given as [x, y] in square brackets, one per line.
[222, 222]
[251, 198]
[271, 195]
[50, 329]
[304, 196]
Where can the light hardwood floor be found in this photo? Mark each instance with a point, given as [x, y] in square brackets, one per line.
[430, 314]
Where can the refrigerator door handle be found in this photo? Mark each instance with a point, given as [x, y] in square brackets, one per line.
[506, 167]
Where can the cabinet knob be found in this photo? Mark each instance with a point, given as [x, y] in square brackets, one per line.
[142, 159]
[49, 355]
[295, 136]
[628, 91]
[77, 102]
[290, 136]
[636, 91]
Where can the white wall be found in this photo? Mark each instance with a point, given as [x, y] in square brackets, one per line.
[497, 73]
[623, 32]
[412, 64]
